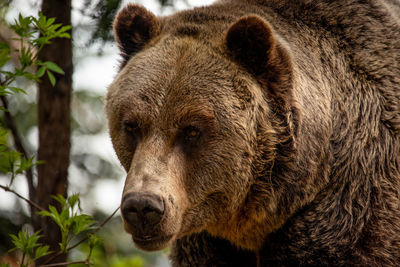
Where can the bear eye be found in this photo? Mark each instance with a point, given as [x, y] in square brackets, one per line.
[191, 133]
[132, 128]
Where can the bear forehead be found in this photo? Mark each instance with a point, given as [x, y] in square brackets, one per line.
[203, 23]
[174, 73]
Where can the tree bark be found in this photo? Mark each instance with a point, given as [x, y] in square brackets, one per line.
[54, 125]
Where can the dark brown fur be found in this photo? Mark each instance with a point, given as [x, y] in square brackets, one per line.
[297, 107]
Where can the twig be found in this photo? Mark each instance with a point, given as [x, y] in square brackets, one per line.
[50, 259]
[20, 148]
[8, 189]
[95, 231]
[84, 239]
[65, 263]
[106, 220]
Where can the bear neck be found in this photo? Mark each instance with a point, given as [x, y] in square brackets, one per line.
[341, 221]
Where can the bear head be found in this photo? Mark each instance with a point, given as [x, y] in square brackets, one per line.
[198, 115]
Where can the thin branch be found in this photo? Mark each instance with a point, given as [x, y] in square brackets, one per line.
[84, 239]
[8, 189]
[106, 220]
[64, 263]
[95, 231]
[12, 126]
[19, 146]
[50, 259]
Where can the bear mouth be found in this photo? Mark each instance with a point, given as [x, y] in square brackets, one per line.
[152, 243]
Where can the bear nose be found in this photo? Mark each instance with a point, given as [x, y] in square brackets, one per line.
[142, 210]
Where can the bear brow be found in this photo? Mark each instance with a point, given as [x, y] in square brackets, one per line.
[200, 115]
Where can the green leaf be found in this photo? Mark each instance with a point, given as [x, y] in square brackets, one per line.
[38, 162]
[21, 26]
[25, 242]
[73, 200]
[28, 244]
[54, 211]
[17, 90]
[94, 240]
[8, 73]
[52, 30]
[8, 161]
[64, 217]
[16, 241]
[4, 53]
[30, 76]
[51, 78]
[26, 57]
[41, 252]
[50, 21]
[61, 33]
[45, 213]
[54, 215]
[60, 199]
[3, 136]
[81, 223]
[40, 22]
[54, 67]
[40, 41]
[4, 92]
[65, 35]
[25, 164]
[65, 28]
[4, 58]
[41, 71]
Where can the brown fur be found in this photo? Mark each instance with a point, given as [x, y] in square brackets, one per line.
[271, 130]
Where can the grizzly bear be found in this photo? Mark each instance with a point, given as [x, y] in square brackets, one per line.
[261, 133]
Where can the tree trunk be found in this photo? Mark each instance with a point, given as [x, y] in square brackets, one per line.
[54, 125]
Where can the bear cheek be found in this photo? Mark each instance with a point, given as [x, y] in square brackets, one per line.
[122, 147]
[123, 152]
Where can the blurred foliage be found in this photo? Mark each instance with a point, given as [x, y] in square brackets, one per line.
[73, 225]
[10, 222]
[28, 245]
[4, 4]
[88, 121]
[32, 34]
[103, 12]
[70, 220]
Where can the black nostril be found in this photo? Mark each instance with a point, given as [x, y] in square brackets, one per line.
[142, 209]
[131, 215]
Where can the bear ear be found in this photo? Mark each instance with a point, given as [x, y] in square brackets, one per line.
[251, 42]
[134, 27]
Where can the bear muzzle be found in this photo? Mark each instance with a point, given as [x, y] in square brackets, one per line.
[143, 214]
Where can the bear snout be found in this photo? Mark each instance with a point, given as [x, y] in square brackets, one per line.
[142, 211]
